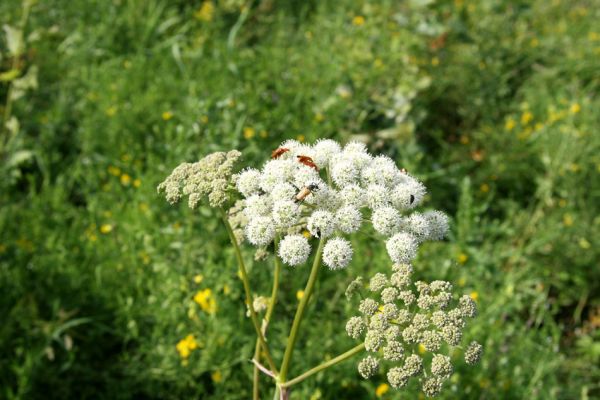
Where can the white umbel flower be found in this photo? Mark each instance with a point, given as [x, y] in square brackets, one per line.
[354, 195]
[438, 224]
[418, 225]
[386, 220]
[381, 170]
[294, 250]
[285, 213]
[283, 191]
[377, 196]
[321, 224]
[402, 247]
[304, 176]
[408, 193]
[324, 151]
[260, 231]
[274, 172]
[337, 253]
[344, 172]
[348, 219]
[257, 205]
[247, 182]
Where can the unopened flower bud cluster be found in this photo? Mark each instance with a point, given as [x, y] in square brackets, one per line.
[411, 328]
[330, 191]
[210, 177]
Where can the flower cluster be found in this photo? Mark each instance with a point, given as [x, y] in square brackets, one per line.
[210, 177]
[329, 191]
[412, 327]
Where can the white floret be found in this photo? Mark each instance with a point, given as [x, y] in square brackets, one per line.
[294, 250]
[305, 175]
[438, 224]
[283, 191]
[348, 219]
[344, 172]
[377, 196]
[381, 170]
[247, 182]
[274, 172]
[324, 151]
[260, 231]
[402, 247]
[285, 213]
[386, 220]
[337, 253]
[354, 195]
[408, 194]
[257, 205]
[321, 224]
[418, 225]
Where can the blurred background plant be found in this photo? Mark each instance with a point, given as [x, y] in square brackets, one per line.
[493, 104]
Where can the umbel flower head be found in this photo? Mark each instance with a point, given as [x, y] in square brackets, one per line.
[210, 177]
[410, 328]
[328, 192]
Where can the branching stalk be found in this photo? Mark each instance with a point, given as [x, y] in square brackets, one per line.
[249, 297]
[289, 349]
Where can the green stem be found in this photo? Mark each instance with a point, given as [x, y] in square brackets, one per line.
[249, 298]
[267, 319]
[289, 349]
[256, 373]
[324, 365]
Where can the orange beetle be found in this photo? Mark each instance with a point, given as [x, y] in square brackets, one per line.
[306, 160]
[279, 152]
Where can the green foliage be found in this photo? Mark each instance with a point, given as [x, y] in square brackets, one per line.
[493, 104]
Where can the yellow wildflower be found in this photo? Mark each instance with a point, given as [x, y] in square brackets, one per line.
[462, 258]
[422, 349]
[185, 346]
[567, 220]
[575, 108]
[115, 171]
[111, 111]
[474, 295]
[263, 134]
[198, 278]
[216, 376]
[358, 20]
[319, 117]
[382, 389]
[484, 188]
[435, 61]
[125, 180]
[137, 183]
[144, 207]
[204, 119]
[206, 301]
[249, 132]
[306, 234]
[526, 117]
[167, 115]
[226, 289]
[206, 12]
[300, 294]
[378, 63]
[106, 228]
[534, 42]
[301, 138]
[593, 37]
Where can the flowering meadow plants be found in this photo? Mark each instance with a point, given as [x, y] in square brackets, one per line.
[324, 192]
[110, 292]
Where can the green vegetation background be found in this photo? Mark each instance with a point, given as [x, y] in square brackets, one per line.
[494, 104]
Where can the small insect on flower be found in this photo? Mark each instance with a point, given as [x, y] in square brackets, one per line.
[305, 191]
[306, 160]
[278, 152]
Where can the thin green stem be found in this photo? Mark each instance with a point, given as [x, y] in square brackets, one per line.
[289, 349]
[256, 373]
[324, 365]
[267, 319]
[249, 298]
